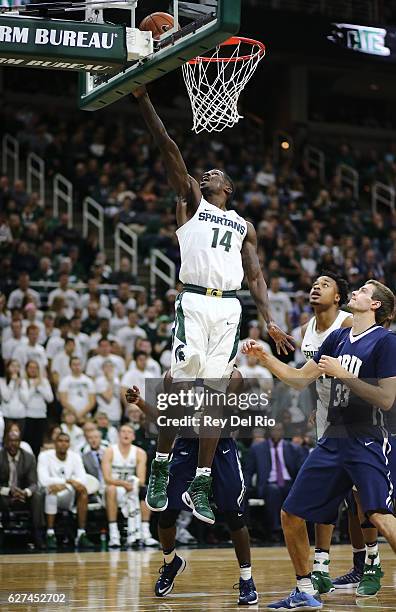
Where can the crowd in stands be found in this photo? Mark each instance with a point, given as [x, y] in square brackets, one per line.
[68, 356]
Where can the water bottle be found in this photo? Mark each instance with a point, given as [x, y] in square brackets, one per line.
[103, 540]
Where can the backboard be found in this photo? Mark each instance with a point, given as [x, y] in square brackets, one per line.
[203, 25]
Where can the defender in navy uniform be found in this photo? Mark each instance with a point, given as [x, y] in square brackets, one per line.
[228, 488]
[354, 449]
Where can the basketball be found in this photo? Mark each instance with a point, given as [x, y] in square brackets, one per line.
[157, 23]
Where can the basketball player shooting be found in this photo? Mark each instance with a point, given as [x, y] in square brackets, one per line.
[218, 248]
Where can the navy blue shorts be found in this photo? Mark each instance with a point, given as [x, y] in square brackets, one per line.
[228, 486]
[329, 472]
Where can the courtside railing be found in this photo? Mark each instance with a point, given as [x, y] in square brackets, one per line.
[62, 190]
[315, 158]
[126, 242]
[168, 276]
[93, 214]
[384, 195]
[349, 177]
[35, 176]
[10, 156]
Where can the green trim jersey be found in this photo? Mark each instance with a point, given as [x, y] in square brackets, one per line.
[123, 468]
[210, 248]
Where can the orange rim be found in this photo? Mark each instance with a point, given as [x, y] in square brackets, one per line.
[234, 40]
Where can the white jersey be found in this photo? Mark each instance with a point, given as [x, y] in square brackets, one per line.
[123, 468]
[210, 248]
[311, 343]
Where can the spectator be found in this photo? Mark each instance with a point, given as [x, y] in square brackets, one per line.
[50, 436]
[275, 462]
[5, 315]
[280, 304]
[94, 295]
[77, 391]
[80, 338]
[32, 316]
[103, 332]
[62, 473]
[14, 395]
[70, 427]
[92, 320]
[152, 366]
[32, 350]
[92, 458]
[118, 318]
[124, 296]
[18, 484]
[95, 364]
[127, 335]
[150, 323]
[16, 339]
[136, 375]
[124, 274]
[71, 298]
[60, 365]
[108, 391]
[24, 294]
[257, 379]
[108, 431]
[39, 396]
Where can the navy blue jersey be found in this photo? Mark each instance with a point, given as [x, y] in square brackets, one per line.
[371, 356]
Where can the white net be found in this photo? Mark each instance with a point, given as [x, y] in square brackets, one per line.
[214, 84]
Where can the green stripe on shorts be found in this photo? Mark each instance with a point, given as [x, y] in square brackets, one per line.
[180, 331]
[236, 341]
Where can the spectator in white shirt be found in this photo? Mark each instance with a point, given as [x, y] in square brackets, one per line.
[32, 351]
[57, 343]
[60, 365]
[95, 364]
[61, 472]
[152, 365]
[256, 378]
[82, 339]
[108, 431]
[119, 318]
[136, 376]
[127, 335]
[77, 391]
[6, 334]
[124, 296]
[49, 328]
[39, 396]
[108, 393]
[72, 300]
[24, 294]
[76, 433]
[102, 332]
[16, 339]
[33, 316]
[280, 304]
[14, 395]
[94, 295]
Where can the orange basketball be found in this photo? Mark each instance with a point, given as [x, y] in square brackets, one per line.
[157, 23]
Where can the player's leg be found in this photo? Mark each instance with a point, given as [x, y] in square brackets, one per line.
[310, 500]
[320, 572]
[368, 467]
[224, 321]
[182, 468]
[188, 354]
[111, 503]
[228, 491]
[50, 509]
[145, 513]
[82, 541]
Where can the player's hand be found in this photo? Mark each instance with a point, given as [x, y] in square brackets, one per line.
[139, 92]
[56, 488]
[77, 486]
[282, 340]
[312, 418]
[331, 367]
[253, 348]
[128, 486]
[132, 396]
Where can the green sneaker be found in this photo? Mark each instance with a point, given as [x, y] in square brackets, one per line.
[156, 498]
[197, 498]
[370, 583]
[322, 582]
[51, 542]
[84, 543]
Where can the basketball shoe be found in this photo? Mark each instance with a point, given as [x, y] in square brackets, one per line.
[156, 498]
[297, 600]
[197, 498]
[322, 581]
[370, 583]
[353, 577]
[168, 573]
[247, 592]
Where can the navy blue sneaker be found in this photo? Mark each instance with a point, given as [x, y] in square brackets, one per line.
[349, 580]
[247, 592]
[168, 573]
[297, 601]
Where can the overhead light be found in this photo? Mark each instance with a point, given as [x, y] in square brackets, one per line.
[285, 145]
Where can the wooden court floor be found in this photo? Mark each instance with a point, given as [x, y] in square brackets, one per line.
[116, 581]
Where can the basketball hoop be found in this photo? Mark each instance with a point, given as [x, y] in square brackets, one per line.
[214, 83]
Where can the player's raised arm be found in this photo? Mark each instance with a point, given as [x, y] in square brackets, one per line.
[179, 179]
[298, 378]
[258, 289]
